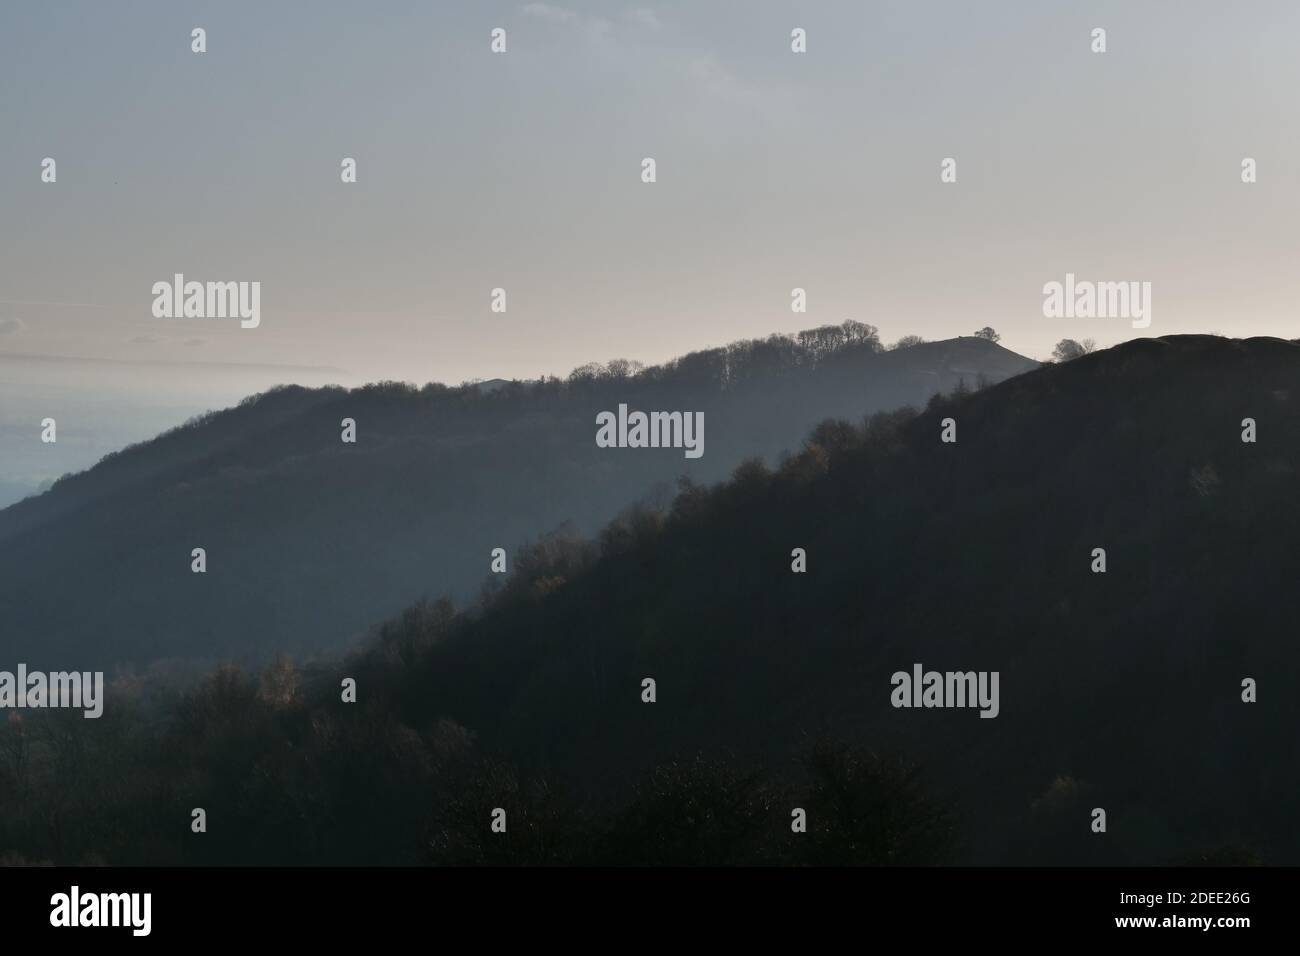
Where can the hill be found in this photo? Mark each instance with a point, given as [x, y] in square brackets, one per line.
[309, 539]
[1120, 690]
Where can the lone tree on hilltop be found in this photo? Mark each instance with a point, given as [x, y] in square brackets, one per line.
[1068, 349]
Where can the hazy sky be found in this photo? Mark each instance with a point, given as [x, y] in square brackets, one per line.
[522, 171]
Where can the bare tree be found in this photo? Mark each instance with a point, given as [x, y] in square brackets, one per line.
[1068, 349]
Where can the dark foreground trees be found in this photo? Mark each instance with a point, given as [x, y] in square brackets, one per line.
[284, 777]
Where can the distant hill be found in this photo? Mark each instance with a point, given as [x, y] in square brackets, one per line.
[309, 540]
[103, 405]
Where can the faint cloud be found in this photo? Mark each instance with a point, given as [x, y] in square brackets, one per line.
[11, 326]
[597, 29]
[716, 80]
[644, 16]
[545, 11]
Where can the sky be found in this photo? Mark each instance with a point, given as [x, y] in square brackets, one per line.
[522, 171]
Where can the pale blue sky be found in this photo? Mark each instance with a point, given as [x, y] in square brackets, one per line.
[522, 170]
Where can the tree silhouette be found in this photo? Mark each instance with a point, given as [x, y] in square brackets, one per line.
[1067, 350]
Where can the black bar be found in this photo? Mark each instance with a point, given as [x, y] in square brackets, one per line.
[622, 906]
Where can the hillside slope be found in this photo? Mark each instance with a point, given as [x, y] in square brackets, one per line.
[1119, 690]
[310, 540]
